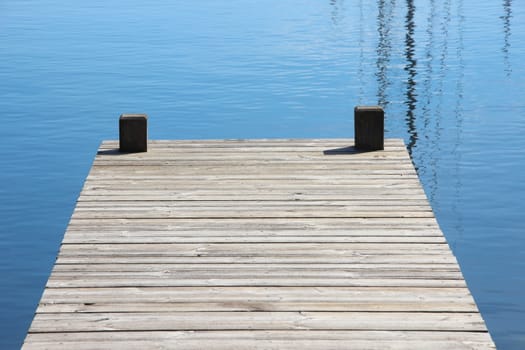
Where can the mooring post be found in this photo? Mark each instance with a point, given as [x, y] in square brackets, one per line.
[369, 128]
[133, 133]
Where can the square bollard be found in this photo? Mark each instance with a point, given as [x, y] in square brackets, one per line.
[369, 128]
[133, 133]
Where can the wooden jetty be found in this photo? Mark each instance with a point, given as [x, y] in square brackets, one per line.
[255, 244]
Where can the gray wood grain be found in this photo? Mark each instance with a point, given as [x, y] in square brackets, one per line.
[259, 244]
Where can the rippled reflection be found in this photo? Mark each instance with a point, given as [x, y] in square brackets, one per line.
[410, 68]
[507, 15]
[361, 62]
[458, 126]
[337, 11]
[385, 19]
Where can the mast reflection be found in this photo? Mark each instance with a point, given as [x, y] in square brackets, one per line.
[507, 9]
[384, 48]
[410, 68]
[337, 12]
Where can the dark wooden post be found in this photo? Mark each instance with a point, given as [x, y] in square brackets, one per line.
[133, 132]
[369, 128]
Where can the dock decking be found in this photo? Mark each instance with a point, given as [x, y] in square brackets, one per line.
[255, 244]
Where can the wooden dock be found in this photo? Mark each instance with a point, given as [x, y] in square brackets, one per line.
[255, 244]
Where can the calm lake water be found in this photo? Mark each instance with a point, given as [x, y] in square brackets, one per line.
[449, 74]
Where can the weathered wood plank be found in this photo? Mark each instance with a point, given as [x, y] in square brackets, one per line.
[363, 258]
[279, 271]
[239, 211]
[261, 273]
[162, 174]
[254, 204]
[254, 339]
[394, 151]
[252, 298]
[138, 195]
[251, 306]
[112, 281]
[285, 164]
[274, 224]
[211, 320]
[251, 293]
[111, 237]
[256, 249]
[211, 195]
[222, 267]
[278, 171]
[249, 184]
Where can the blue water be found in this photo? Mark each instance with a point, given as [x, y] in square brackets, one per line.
[449, 74]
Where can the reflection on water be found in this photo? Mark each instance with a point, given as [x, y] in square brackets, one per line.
[507, 15]
[337, 11]
[446, 72]
[361, 62]
[384, 48]
[410, 68]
